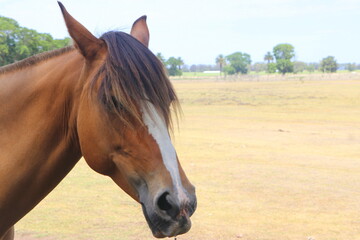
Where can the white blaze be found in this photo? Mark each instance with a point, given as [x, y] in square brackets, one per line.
[159, 131]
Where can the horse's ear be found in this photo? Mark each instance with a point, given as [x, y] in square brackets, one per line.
[87, 43]
[140, 31]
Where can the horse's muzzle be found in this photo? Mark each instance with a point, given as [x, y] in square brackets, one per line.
[168, 217]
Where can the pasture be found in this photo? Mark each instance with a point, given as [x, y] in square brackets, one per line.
[270, 159]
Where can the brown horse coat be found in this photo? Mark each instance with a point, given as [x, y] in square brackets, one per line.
[106, 99]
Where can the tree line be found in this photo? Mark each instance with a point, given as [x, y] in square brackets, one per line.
[172, 64]
[279, 60]
[17, 43]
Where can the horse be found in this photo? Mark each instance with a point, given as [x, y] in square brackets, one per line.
[106, 99]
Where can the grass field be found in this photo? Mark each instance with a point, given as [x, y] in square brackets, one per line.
[202, 74]
[270, 160]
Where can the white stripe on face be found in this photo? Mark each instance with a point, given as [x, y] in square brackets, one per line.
[158, 130]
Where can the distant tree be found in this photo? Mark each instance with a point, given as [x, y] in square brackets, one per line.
[180, 62]
[238, 63]
[8, 30]
[284, 66]
[203, 67]
[269, 57]
[173, 66]
[259, 67]
[193, 68]
[284, 51]
[351, 67]
[310, 68]
[328, 64]
[271, 67]
[161, 57]
[17, 42]
[283, 54]
[299, 66]
[60, 43]
[220, 60]
[228, 69]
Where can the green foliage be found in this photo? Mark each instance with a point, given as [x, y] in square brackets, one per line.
[310, 68]
[351, 67]
[228, 69]
[180, 63]
[283, 54]
[17, 42]
[174, 66]
[284, 51]
[271, 67]
[239, 63]
[174, 72]
[299, 66]
[259, 67]
[284, 66]
[328, 64]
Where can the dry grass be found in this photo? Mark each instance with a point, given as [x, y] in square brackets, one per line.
[270, 160]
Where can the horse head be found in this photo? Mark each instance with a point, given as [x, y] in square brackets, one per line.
[123, 123]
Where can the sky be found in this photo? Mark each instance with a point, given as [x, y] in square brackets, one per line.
[198, 30]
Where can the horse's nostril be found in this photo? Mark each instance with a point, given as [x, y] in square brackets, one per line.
[163, 203]
[168, 204]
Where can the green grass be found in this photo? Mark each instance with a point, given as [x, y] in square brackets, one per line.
[200, 74]
[270, 160]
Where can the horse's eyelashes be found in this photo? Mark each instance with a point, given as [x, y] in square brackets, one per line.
[119, 149]
[116, 104]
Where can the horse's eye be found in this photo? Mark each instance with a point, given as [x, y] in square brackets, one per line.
[116, 104]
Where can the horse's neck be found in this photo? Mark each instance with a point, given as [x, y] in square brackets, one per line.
[38, 139]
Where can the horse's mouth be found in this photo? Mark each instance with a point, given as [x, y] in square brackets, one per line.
[161, 228]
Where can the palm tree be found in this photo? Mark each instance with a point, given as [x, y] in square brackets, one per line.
[221, 61]
[268, 57]
[180, 62]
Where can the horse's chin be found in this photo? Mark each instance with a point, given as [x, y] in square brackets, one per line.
[161, 228]
[158, 235]
[173, 231]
